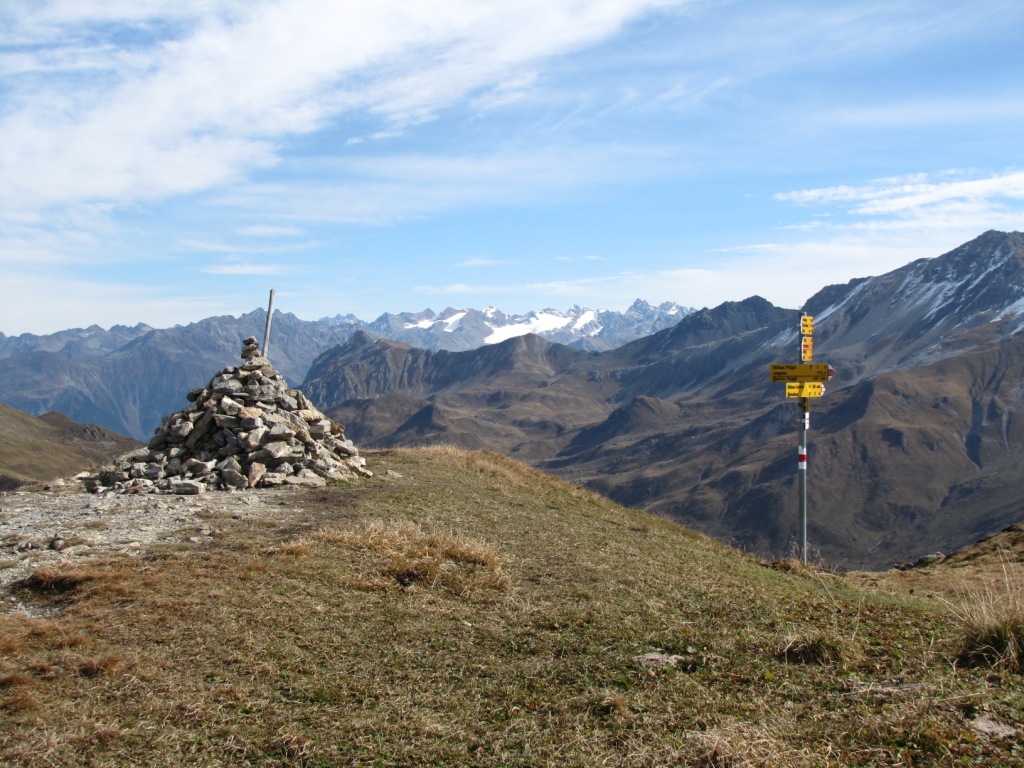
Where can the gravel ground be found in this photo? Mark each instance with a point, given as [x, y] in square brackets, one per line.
[65, 525]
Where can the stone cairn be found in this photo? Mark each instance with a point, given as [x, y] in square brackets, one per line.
[245, 429]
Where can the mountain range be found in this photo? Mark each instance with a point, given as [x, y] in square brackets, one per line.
[916, 446]
[463, 329]
[128, 378]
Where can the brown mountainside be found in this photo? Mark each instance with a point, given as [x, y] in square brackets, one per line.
[915, 446]
[39, 449]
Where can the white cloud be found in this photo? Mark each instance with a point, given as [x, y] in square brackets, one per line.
[210, 99]
[914, 194]
[222, 247]
[941, 209]
[873, 228]
[262, 230]
[236, 268]
[477, 261]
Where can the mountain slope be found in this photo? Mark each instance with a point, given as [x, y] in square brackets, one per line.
[685, 422]
[461, 609]
[927, 310]
[37, 450]
[526, 382]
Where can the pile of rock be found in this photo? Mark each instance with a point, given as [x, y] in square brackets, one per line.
[245, 429]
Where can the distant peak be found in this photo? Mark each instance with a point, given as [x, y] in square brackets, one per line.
[360, 338]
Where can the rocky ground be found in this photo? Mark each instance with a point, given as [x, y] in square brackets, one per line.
[65, 525]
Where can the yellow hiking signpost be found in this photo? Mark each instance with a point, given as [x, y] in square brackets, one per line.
[803, 380]
[805, 389]
[796, 372]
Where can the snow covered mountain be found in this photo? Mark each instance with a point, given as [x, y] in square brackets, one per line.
[126, 379]
[463, 329]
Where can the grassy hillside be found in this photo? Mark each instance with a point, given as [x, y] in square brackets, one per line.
[39, 449]
[462, 609]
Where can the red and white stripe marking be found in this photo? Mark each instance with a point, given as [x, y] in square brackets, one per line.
[801, 458]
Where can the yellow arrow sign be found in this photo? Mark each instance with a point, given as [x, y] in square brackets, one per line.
[797, 372]
[806, 324]
[805, 389]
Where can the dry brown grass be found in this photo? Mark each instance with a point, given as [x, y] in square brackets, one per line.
[816, 648]
[64, 579]
[991, 618]
[741, 744]
[405, 554]
[20, 632]
[290, 548]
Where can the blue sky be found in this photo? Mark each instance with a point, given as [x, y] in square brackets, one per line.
[162, 161]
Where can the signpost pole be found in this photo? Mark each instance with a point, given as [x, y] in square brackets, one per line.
[802, 464]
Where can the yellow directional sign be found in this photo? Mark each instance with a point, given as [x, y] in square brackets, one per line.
[807, 349]
[798, 372]
[806, 324]
[805, 389]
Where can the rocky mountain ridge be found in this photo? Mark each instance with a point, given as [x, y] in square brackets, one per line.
[126, 379]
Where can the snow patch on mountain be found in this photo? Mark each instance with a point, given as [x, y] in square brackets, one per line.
[465, 328]
[586, 318]
[541, 323]
[424, 324]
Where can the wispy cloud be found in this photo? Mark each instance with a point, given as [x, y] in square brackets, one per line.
[939, 209]
[66, 301]
[269, 231]
[482, 262]
[382, 189]
[237, 268]
[870, 229]
[917, 194]
[223, 247]
[452, 288]
[952, 111]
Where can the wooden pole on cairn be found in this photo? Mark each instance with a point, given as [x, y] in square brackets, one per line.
[266, 332]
